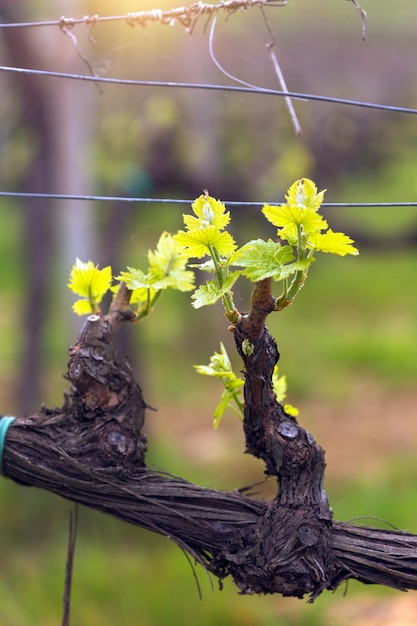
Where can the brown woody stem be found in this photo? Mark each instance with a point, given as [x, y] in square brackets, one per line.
[92, 451]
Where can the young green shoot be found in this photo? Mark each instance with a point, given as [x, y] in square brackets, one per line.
[279, 384]
[232, 397]
[205, 235]
[220, 367]
[301, 233]
[305, 231]
[167, 268]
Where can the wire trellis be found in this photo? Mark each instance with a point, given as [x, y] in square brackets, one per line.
[241, 203]
[212, 87]
[187, 16]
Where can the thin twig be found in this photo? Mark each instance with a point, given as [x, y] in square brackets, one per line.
[277, 68]
[72, 536]
[217, 62]
[363, 16]
[283, 85]
[67, 31]
[275, 64]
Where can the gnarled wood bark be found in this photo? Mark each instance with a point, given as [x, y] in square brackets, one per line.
[92, 451]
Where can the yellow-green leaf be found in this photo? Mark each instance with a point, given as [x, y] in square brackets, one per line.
[303, 194]
[88, 281]
[279, 384]
[168, 256]
[198, 241]
[335, 243]
[142, 295]
[288, 218]
[291, 410]
[134, 279]
[209, 212]
[167, 265]
[83, 307]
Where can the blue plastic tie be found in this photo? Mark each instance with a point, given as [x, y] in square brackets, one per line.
[5, 422]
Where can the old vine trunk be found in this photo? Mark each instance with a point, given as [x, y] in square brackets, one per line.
[92, 451]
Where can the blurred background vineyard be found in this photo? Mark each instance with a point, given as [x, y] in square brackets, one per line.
[348, 344]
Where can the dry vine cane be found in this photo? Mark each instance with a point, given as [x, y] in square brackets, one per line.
[92, 450]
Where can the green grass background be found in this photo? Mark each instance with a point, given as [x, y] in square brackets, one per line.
[354, 323]
[348, 346]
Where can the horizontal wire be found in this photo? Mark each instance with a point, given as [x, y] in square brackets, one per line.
[208, 86]
[68, 22]
[60, 196]
[185, 15]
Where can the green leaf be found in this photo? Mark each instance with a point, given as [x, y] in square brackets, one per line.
[226, 400]
[166, 269]
[142, 295]
[264, 259]
[183, 280]
[167, 265]
[206, 294]
[220, 364]
[221, 367]
[134, 279]
[221, 408]
[211, 292]
[208, 370]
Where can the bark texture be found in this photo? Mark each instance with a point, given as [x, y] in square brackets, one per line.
[92, 451]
